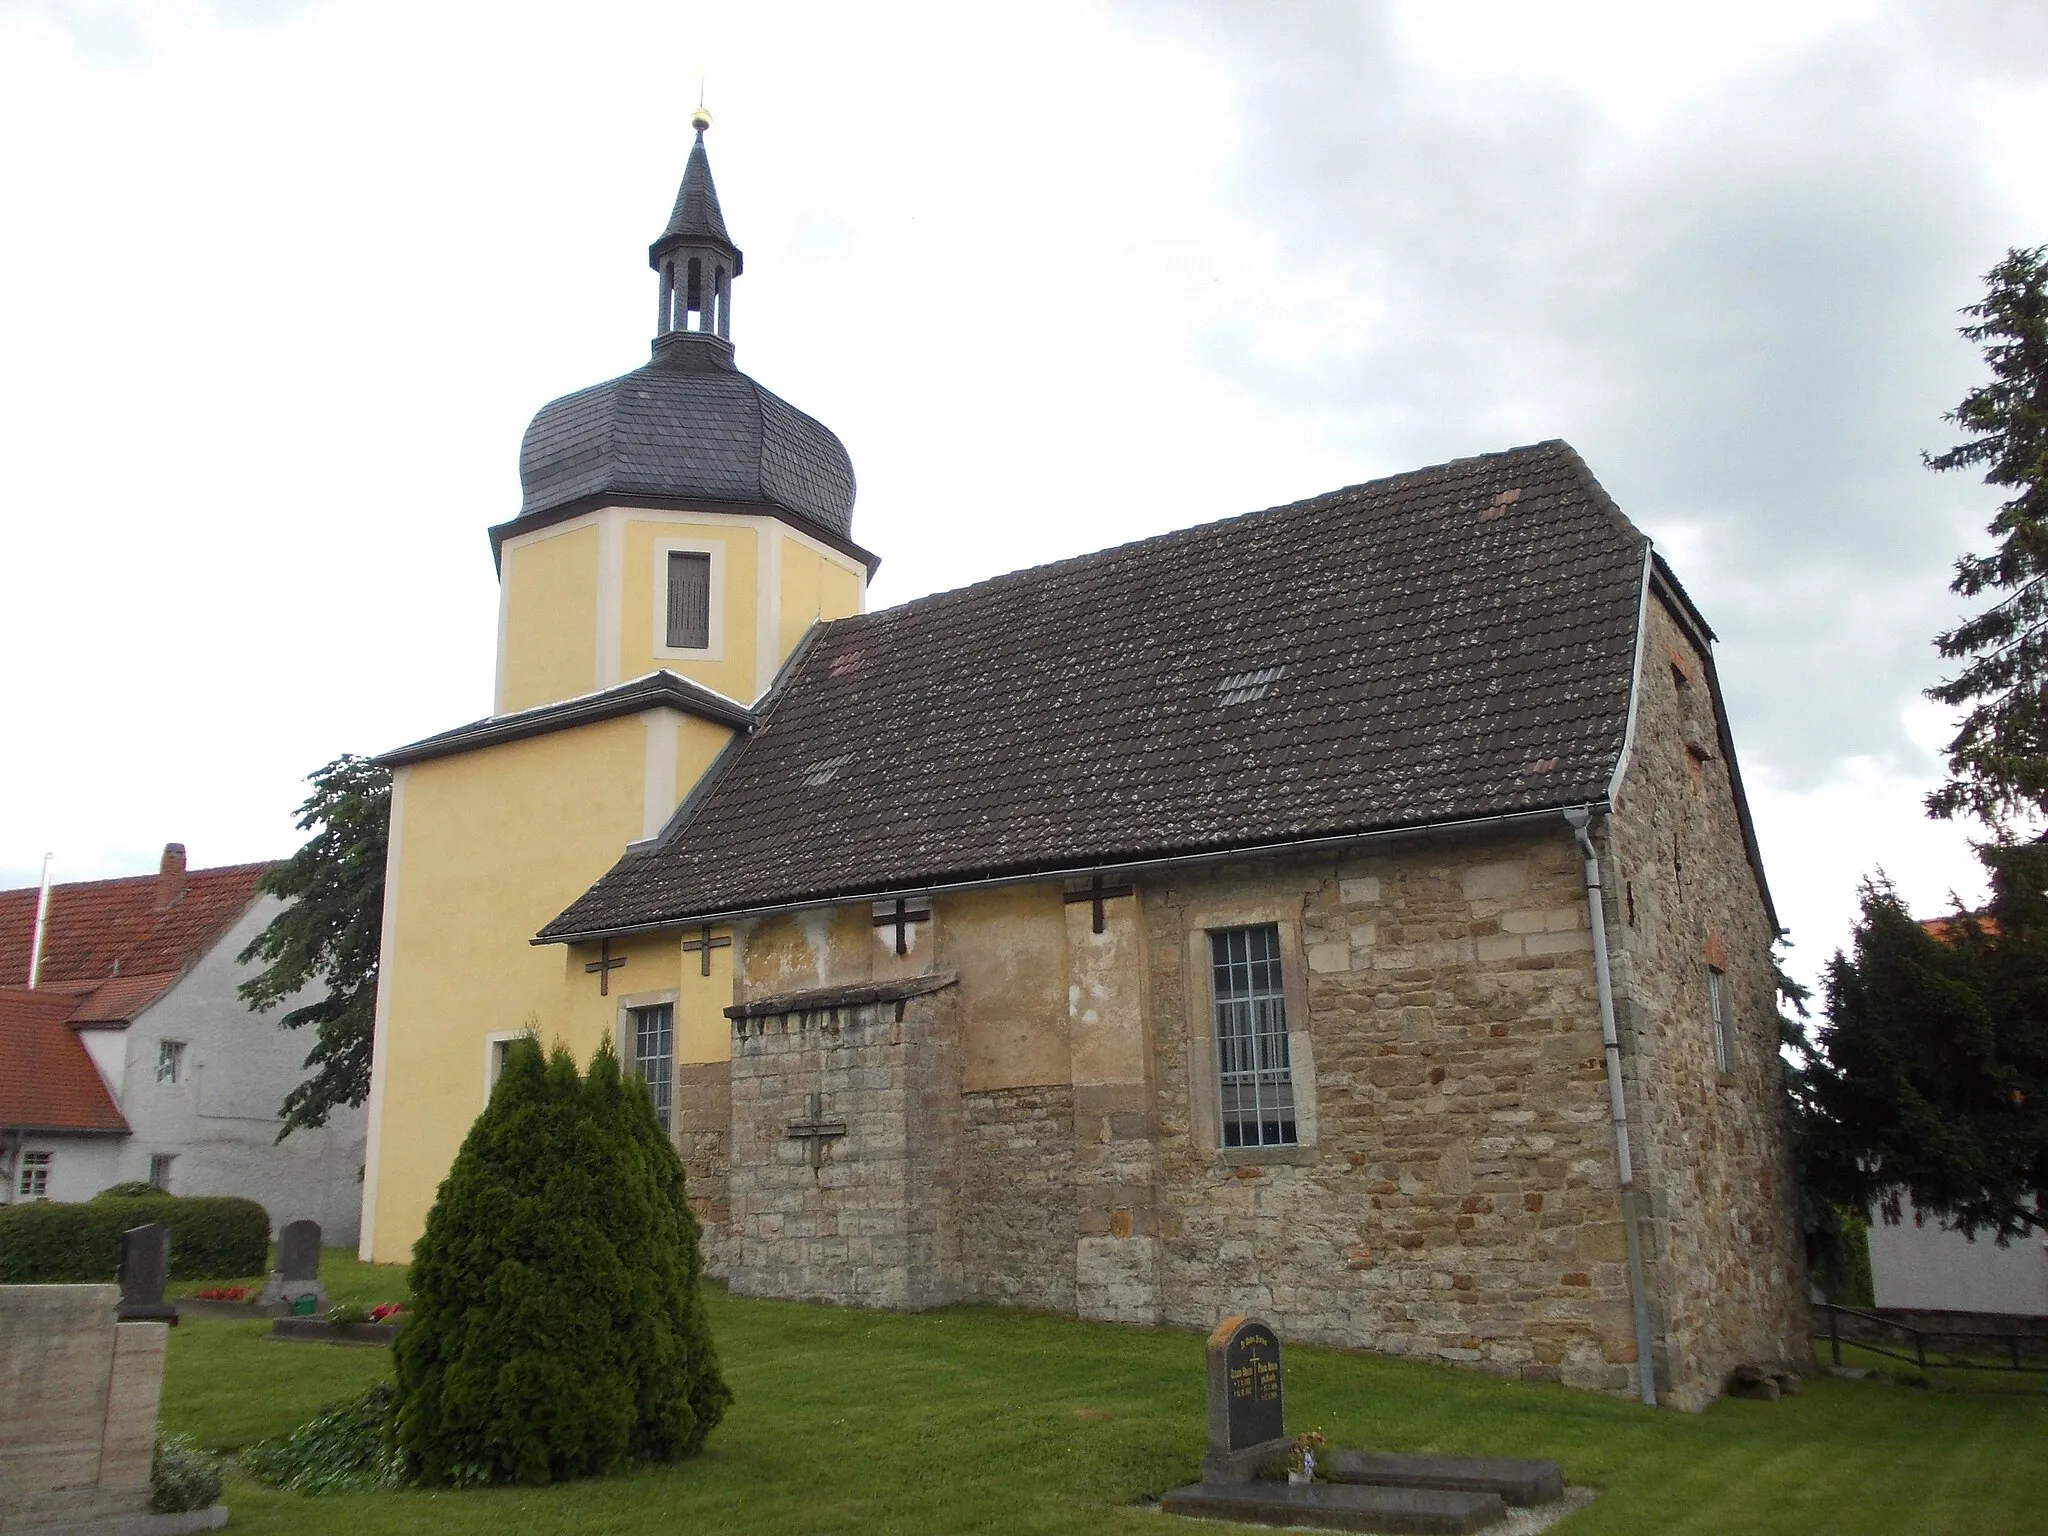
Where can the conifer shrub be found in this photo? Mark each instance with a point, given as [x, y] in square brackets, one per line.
[557, 1328]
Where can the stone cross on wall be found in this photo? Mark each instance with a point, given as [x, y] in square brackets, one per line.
[817, 1130]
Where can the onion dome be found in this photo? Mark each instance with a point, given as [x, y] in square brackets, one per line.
[689, 426]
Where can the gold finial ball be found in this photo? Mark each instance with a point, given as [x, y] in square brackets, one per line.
[700, 119]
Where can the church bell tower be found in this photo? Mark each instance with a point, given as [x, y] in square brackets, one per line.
[695, 258]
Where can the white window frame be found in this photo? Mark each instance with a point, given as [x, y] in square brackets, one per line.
[34, 1182]
[497, 1046]
[170, 1062]
[1718, 1018]
[627, 1032]
[160, 1163]
[714, 629]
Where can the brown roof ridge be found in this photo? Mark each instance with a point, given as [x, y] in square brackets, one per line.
[149, 879]
[1306, 505]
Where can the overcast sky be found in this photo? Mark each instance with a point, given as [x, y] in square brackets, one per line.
[283, 282]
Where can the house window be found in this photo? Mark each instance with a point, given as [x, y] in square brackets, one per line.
[1255, 1083]
[35, 1176]
[160, 1170]
[170, 1061]
[689, 600]
[1717, 1006]
[654, 1054]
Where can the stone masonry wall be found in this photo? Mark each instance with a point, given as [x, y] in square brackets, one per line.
[1017, 1218]
[1457, 1195]
[877, 1222]
[1713, 1150]
[703, 1136]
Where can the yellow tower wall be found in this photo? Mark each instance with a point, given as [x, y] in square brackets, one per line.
[547, 625]
[486, 848]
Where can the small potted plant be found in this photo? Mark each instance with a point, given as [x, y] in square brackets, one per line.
[1301, 1461]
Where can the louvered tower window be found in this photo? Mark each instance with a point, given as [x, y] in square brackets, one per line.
[1255, 1080]
[689, 600]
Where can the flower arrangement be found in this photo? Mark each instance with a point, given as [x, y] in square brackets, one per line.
[222, 1293]
[1301, 1461]
[387, 1312]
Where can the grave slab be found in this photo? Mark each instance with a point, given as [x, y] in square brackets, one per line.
[1517, 1482]
[1340, 1506]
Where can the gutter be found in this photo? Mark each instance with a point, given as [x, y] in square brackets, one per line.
[1579, 818]
[1075, 872]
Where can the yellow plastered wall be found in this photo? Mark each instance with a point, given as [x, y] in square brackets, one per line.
[814, 586]
[703, 1032]
[548, 647]
[733, 665]
[491, 845]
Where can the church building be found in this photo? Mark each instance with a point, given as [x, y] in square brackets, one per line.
[1348, 912]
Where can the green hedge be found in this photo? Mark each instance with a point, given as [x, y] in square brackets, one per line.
[212, 1237]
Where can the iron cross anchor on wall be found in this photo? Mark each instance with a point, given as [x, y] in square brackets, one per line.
[602, 968]
[817, 1130]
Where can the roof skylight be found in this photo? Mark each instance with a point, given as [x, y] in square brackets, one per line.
[826, 770]
[1245, 687]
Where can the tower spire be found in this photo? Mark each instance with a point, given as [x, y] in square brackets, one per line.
[696, 261]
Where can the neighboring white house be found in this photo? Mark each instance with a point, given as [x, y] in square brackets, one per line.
[125, 1054]
[1923, 1265]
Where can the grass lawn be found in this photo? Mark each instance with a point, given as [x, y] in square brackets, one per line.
[974, 1419]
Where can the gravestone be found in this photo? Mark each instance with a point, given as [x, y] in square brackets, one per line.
[145, 1265]
[1247, 1419]
[1249, 1447]
[296, 1280]
[78, 1406]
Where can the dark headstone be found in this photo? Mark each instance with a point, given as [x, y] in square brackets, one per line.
[298, 1250]
[145, 1265]
[1247, 1422]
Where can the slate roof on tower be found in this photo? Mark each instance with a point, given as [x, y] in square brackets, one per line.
[688, 428]
[1450, 644]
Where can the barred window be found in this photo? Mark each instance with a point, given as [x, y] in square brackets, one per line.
[1255, 1081]
[689, 600]
[654, 1054]
[1717, 1007]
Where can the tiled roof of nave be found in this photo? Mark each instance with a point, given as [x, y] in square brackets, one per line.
[1444, 654]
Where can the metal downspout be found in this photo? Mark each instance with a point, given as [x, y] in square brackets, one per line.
[1580, 819]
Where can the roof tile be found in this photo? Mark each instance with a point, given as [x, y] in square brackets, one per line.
[1442, 652]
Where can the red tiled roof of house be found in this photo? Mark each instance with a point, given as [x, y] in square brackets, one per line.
[1944, 928]
[47, 1081]
[148, 926]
